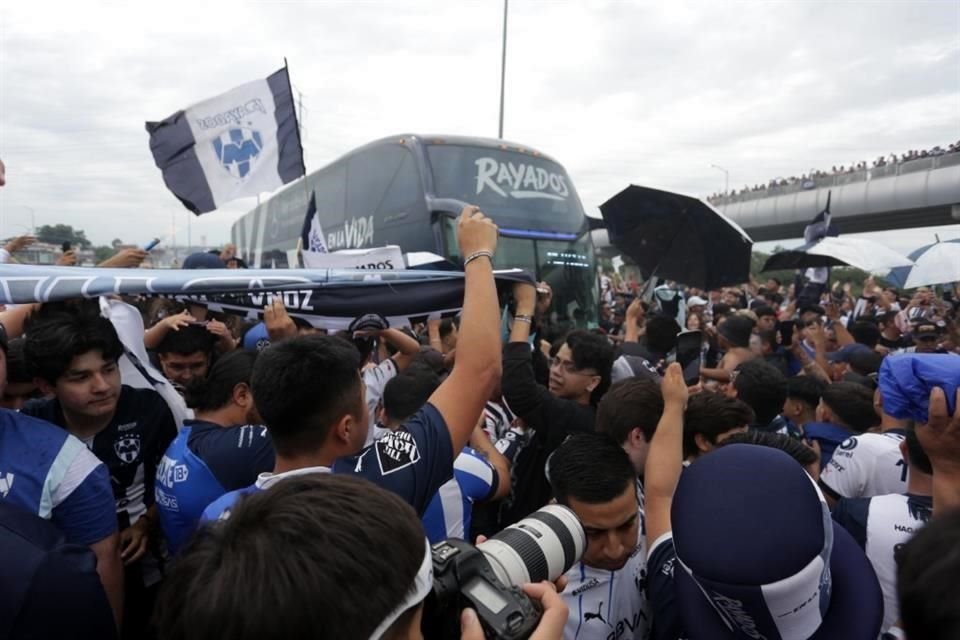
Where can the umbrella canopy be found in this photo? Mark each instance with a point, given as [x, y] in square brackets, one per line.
[835, 252]
[677, 237]
[938, 264]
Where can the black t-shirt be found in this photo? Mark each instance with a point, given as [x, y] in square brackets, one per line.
[131, 445]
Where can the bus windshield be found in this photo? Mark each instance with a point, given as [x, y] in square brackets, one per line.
[564, 265]
[516, 189]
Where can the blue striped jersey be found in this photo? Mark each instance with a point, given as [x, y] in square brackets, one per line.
[448, 514]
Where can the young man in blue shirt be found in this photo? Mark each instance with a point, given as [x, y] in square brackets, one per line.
[311, 396]
[222, 450]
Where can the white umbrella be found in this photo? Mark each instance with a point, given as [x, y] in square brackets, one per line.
[937, 265]
[833, 252]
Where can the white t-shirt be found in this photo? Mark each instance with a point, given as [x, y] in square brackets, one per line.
[867, 465]
[880, 525]
[609, 604]
[375, 379]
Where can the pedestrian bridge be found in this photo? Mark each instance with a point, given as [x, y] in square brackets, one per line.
[919, 193]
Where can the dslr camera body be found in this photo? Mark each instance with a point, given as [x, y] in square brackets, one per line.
[488, 577]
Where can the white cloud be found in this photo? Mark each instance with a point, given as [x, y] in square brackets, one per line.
[618, 92]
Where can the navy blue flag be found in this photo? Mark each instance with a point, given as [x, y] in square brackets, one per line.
[327, 298]
[238, 144]
[820, 227]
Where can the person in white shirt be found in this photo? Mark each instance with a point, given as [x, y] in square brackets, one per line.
[592, 474]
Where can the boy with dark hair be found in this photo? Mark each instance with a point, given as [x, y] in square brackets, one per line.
[803, 398]
[311, 396]
[186, 355]
[20, 385]
[629, 413]
[591, 474]
[223, 449]
[845, 409]
[764, 389]
[289, 547]
[709, 419]
[74, 357]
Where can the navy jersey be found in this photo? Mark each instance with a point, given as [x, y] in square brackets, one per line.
[880, 525]
[50, 587]
[204, 462]
[829, 435]
[414, 461]
[131, 446]
[661, 593]
[51, 474]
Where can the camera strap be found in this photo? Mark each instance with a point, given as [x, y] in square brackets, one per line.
[422, 584]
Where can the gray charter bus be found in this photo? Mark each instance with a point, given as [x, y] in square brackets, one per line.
[407, 190]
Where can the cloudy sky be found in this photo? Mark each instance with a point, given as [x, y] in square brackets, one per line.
[645, 92]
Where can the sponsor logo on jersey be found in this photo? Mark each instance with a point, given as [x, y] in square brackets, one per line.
[627, 624]
[586, 586]
[588, 616]
[169, 473]
[127, 447]
[848, 444]
[396, 451]
[127, 427]
[734, 612]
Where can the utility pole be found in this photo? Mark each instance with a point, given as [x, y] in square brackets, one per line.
[726, 184]
[503, 67]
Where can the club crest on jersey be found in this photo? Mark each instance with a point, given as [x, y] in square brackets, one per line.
[396, 451]
[127, 448]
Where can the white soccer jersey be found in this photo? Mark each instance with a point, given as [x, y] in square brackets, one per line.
[376, 379]
[880, 525]
[609, 604]
[867, 465]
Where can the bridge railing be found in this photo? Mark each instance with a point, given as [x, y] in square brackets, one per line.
[911, 166]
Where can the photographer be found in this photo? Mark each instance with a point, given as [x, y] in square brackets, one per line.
[290, 547]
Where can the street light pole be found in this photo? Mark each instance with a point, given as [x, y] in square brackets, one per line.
[503, 67]
[726, 184]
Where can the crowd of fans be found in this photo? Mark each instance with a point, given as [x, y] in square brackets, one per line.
[169, 472]
[807, 180]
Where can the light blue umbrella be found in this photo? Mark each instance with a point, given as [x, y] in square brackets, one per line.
[898, 277]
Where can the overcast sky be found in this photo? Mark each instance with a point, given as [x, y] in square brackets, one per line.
[649, 93]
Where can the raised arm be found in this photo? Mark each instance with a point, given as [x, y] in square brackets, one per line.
[407, 347]
[665, 458]
[462, 396]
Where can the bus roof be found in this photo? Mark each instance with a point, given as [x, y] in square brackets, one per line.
[414, 139]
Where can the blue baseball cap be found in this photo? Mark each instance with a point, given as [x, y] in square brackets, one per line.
[844, 353]
[906, 380]
[203, 260]
[760, 557]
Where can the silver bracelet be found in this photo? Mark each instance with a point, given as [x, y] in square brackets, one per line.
[479, 254]
[524, 318]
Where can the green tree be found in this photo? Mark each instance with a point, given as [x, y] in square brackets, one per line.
[102, 253]
[60, 233]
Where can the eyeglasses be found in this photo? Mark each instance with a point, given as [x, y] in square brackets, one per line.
[570, 367]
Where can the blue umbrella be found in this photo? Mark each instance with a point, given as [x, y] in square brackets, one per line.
[898, 277]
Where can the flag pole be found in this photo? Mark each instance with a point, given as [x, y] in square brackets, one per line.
[306, 190]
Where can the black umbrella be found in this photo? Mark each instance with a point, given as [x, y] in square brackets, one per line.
[677, 237]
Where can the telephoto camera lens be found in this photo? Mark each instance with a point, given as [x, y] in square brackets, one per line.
[542, 546]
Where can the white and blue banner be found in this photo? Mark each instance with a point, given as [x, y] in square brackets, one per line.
[238, 144]
[327, 298]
